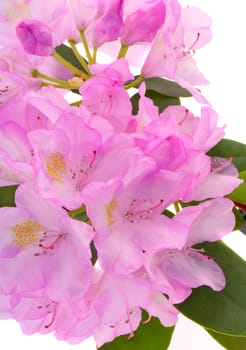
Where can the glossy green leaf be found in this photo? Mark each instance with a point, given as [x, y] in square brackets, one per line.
[229, 342]
[149, 336]
[223, 311]
[94, 256]
[135, 100]
[67, 53]
[81, 216]
[239, 194]
[7, 196]
[161, 101]
[166, 87]
[228, 148]
[239, 219]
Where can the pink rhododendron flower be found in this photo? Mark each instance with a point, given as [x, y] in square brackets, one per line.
[171, 54]
[15, 155]
[84, 12]
[104, 94]
[121, 216]
[77, 144]
[176, 272]
[108, 26]
[64, 159]
[37, 236]
[143, 24]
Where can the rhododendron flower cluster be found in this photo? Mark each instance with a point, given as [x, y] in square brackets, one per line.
[93, 238]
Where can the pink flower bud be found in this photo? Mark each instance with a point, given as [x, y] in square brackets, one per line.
[35, 37]
[142, 25]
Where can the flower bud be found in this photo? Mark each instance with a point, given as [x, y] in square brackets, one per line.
[35, 37]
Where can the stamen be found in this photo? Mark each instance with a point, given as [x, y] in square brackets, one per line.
[194, 43]
[131, 335]
[52, 245]
[53, 317]
[40, 121]
[184, 118]
[221, 164]
[198, 252]
[139, 213]
[148, 319]
[190, 51]
[91, 162]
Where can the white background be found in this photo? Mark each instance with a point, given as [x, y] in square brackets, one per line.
[224, 64]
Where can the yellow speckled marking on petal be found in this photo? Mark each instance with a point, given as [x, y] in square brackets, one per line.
[26, 233]
[16, 10]
[56, 166]
[110, 207]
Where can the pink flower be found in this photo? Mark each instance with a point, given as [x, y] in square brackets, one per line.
[175, 272]
[84, 12]
[124, 215]
[171, 54]
[39, 238]
[11, 87]
[15, 155]
[64, 159]
[142, 25]
[108, 26]
[104, 95]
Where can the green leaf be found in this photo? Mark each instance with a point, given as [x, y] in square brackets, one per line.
[161, 101]
[166, 87]
[228, 148]
[135, 100]
[239, 219]
[81, 216]
[7, 196]
[228, 341]
[94, 256]
[224, 311]
[239, 194]
[149, 336]
[67, 53]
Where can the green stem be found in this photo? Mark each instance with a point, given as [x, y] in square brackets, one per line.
[176, 207]
[37, 74]
[94, 56]
[134, 82]
[86, 47]
[58, 86]
[67, 64]
[78, 56]
[123, 51]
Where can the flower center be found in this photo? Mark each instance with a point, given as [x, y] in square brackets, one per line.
[56, 166]
[26, 234]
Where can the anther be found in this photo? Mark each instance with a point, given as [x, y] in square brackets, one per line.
[220, 164]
